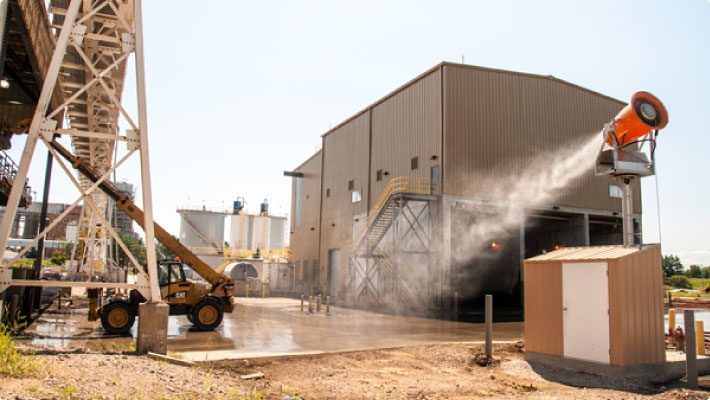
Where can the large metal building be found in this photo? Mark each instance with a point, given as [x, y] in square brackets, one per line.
[435, 193]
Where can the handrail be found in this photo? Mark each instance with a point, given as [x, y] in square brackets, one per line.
[398, 185]
[8, 172]
[234, 254]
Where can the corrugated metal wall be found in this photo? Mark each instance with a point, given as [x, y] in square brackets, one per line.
[346, 159]
[543, 308]
[636, 308]
[497, 122]
[490, 123]
[407, 125]
[304, 238]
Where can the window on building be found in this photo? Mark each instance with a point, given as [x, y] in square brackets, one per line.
[356, 196]
[351, 184]
[327, 192]
[615, 191]
[379, 175]
[415, 162]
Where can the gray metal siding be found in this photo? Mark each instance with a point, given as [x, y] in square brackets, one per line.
[346, 158]
[497, 123]
[304, 239]
[407, 125]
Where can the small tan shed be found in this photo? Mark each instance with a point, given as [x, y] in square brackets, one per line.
[599, 304]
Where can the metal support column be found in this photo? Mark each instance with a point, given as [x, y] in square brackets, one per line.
[145, 161]
[627, 209]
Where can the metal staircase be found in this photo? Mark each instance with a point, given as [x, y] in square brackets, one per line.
[385, 210]
[397, 223]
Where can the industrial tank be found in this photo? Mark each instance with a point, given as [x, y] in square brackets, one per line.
[201, 228]
[240, 231]
[277, 234]
[262, 231]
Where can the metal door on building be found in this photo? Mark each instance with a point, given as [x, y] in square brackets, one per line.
[333, 271]
[585, 311]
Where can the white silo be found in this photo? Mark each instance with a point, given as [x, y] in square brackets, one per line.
[202, 229]
[240, 231]
[261, 232]
[277, 233]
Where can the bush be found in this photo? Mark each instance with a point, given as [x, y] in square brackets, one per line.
[12, 362]
[680, 282]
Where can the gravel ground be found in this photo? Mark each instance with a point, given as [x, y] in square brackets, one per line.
[442, 371]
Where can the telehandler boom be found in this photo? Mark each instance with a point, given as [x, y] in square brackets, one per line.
[203, 304]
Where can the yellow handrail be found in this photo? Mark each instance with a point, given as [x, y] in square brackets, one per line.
[234, 254]
[397, 185]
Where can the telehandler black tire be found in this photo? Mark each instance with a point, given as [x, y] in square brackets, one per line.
[207, 314]
[117, 317]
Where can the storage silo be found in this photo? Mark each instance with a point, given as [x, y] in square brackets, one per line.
[260, 235]
[240, 231]
[201, 228]
[277, 234]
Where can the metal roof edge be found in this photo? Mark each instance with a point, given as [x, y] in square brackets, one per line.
[568, 254]
[532, 75]
[387, 96]
[466, 66]
[308, 159]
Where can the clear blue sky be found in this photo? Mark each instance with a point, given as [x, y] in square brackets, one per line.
[240, 91]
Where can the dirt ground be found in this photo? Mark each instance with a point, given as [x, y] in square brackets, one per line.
[442, 371]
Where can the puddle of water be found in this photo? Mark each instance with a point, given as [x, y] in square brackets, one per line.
[275, 327]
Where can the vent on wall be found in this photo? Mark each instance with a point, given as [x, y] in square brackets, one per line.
[351, 184]
[415, 162]
[379, 175]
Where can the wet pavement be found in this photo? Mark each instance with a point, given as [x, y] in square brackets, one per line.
[274, 327]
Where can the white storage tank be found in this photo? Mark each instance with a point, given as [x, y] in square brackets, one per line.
[240, 231]
[201, 228]
[277, 234]
[261, 232]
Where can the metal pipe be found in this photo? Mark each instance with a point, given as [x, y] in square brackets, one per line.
[627, 209]
[691, 360]
[43, 214]
[489, 325]
[301, 304]
[327, 305]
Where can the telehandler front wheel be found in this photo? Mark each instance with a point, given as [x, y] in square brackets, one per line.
[117, 317]
[207, 314]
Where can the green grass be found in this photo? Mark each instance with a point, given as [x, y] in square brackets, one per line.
[12, 362]
[697, 283]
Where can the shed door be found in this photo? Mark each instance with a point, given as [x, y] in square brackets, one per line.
[585, 302]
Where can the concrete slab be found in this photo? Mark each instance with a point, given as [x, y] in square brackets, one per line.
[274, 327]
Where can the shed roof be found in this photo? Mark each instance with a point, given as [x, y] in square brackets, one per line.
[589, 253]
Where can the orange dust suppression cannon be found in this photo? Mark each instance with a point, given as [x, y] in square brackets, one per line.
[629, 147]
